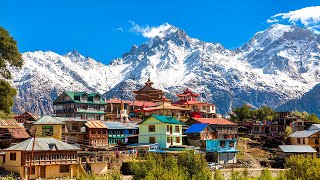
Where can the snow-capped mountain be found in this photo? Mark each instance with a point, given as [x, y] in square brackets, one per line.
[276, 65]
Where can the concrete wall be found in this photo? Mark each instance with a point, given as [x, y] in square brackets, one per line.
[253, 172]
[227, 158]
[99, 168]
[160, 133]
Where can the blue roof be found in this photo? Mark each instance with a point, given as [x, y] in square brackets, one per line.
[196, 128]
[297, 149]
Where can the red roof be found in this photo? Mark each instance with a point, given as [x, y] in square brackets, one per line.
[23, 115]
[187, 92]
[216, 121]
[18, 133]
[185, 102]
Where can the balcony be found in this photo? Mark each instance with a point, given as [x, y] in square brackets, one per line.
[221, 145]
[53, 161]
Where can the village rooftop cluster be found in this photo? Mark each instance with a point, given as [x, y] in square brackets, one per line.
[87, 133]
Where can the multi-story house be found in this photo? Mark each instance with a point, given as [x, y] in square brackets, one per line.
[47, 126]
[216, 136]
[165, 130]
[188, 100]
[48, 157]
[97, 134]
[89, 106]
[310, 137]
[119, 132]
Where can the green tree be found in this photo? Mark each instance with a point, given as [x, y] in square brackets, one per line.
[265, 113]
[242, 113]
[9, 54]
[303, 168]
[6, 96]
[265, 175]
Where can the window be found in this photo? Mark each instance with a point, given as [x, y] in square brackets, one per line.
[316, 141]
[64, 168]
[152, 139]
[47, 130]
[75, 127]
[303, 141]
[168, 139]
[231, 144]
[13, 156]
[152, 128]
[222, 143]
[177, 128]
[168, 128]
[298, 140]
[178, 139]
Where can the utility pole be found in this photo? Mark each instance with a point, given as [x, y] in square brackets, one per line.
[30, 165]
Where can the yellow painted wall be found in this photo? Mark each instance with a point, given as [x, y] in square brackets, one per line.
[57, 131]
[13, 166]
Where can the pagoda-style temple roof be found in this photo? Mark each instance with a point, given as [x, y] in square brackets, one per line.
[188, 92]
[148, 87]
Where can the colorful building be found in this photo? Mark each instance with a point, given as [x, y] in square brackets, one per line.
[188, 100]
[48, 126]
[51, 159]
[119, 132]
[165, 130]
[217, 136]
[222, 151]
[89, 106]
[198, 133]
[97, 134]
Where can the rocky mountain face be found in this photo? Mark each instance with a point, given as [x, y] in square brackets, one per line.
[276, 65]
[309, 102]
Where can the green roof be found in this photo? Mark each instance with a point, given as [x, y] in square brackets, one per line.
[164, 119]
[73, 94]
[48, 120]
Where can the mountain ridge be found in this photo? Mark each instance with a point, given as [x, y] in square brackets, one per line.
[264, 71]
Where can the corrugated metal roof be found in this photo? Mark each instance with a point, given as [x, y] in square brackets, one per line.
[48, 120]
[95, 124]
[9, 123]
[18, 133]
[303, 134]
[119, 125]
[314, 127]
[297, 149]
[42, 144]
[196, 128]
[68, 119]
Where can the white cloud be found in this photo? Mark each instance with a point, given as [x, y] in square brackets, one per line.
[150, 32]
[120, 29]
[309, 17]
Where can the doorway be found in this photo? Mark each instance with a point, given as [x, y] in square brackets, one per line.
[42, 171]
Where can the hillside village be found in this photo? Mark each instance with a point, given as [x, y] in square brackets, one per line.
[89, 134]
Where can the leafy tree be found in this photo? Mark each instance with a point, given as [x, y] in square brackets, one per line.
[288, 131]
[6, 96]
[9, 54]
[265, 113]
[303, 168]
[218, 175]
[242, 113]
[265, 175]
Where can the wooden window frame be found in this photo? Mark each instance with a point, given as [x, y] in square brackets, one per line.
[152, 139]
[151, 128]
[13, 156]
[64, 168]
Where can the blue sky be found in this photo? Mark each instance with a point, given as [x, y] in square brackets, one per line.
[101, 29]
